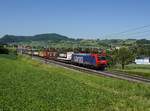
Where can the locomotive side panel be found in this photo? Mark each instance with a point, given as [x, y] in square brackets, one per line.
[85, 59]
[93, 60]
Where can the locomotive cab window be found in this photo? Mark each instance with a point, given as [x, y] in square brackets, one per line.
[101, 58]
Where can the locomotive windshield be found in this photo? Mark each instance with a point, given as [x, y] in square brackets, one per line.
[101, 58]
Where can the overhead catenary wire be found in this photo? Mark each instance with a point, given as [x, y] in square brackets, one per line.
[145, 33]
[139, 36]
[133, 32]
[141, 32]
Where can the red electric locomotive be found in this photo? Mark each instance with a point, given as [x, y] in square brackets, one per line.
[97, 61]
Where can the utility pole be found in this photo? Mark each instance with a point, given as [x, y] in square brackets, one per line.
[32, 52]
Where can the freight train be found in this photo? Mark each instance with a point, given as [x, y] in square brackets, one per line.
[96, 61]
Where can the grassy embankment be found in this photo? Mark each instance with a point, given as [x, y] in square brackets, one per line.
[30, 85]
[135, 69]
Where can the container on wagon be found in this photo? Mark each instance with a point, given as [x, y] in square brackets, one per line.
[66, 56]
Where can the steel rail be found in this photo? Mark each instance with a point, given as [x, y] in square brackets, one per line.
[118, 75]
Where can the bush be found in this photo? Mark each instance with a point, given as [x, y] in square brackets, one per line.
[3, 50]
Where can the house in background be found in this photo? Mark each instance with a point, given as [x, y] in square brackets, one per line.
[142, 60]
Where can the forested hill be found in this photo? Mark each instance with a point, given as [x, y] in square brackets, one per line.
[41, 37]
[60, 41]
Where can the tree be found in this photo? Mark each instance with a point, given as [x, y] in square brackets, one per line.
[114, 57]
[3, 50]
[125, 56]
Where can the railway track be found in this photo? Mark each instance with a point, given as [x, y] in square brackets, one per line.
[118, 75]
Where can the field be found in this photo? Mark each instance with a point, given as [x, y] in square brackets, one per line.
[135, 69]
[29, 85]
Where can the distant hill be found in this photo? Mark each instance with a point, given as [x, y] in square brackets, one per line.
[60, 41]
[41, 37]
[143, 41]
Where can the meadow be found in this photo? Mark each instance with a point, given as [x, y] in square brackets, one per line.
[134, 69]
[28, 85]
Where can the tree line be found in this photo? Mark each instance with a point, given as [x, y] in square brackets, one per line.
[123, 55]
[126, 55]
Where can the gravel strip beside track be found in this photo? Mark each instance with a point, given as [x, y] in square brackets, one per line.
[122, 76]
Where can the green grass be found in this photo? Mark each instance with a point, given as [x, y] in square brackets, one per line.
[135, 69]
[138, 66]
[29, 85]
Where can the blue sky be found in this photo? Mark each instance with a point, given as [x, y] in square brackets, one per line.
[74, 18]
